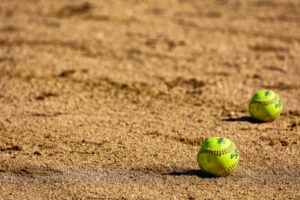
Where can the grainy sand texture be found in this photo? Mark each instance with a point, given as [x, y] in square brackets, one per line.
[112, 99]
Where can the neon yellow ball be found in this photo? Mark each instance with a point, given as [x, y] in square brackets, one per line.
[218, 156]
[265, 106]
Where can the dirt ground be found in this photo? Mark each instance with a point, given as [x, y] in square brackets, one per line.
[112, 99]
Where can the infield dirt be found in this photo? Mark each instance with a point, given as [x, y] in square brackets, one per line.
[113, 99]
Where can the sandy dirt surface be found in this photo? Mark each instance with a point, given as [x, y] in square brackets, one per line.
[113, 99]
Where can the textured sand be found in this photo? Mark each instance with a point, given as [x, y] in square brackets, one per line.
[113, 99]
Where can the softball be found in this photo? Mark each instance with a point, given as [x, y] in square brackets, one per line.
[218, 156]
[265, 105]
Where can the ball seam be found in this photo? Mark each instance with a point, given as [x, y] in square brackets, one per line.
[229, 169]
[219, 152]
[276, 114]
[274, 100]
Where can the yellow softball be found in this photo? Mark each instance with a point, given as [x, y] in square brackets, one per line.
[265, 105]
[218, 156]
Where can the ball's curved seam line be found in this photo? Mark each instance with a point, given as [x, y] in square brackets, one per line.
[219, 152]
[271, 117]
[274, 100]
[229, 169]
[276, 114]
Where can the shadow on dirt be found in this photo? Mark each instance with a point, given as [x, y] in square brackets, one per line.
[243, 119]
[192, 172]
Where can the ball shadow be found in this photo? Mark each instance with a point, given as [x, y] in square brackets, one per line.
[244, 119]
[193, 172]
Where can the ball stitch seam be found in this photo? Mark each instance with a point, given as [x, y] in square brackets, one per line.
[230, 168]
[276, 114]
[274, 100]
[219, 152]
